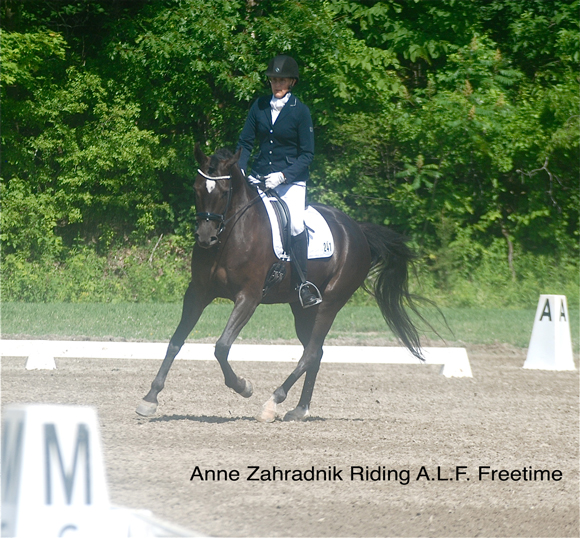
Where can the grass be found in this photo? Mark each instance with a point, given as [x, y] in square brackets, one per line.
[156, 322]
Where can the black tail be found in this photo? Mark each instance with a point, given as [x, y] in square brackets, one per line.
[391, 258]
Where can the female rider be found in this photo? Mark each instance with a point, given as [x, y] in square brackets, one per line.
[282, 126]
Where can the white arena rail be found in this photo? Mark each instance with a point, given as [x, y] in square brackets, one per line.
[453, 360]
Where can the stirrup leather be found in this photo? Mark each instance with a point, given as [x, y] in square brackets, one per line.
[317, 295]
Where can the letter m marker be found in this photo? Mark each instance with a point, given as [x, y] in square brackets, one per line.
[53, 458]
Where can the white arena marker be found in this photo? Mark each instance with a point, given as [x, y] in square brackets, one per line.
[40, 361]
[54, 483]
[53, 475]
[551, 345]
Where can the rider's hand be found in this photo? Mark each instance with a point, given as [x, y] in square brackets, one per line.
[274, 179]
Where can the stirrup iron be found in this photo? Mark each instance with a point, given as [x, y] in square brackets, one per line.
[316, 293]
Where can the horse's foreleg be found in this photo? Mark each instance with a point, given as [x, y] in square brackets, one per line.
[244, 308]
[193, 307]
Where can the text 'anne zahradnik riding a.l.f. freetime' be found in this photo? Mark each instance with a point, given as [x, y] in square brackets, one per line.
[378, 473]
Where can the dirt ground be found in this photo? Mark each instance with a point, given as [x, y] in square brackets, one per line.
[400, 418]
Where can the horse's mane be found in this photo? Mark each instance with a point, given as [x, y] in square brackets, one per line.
[220, 155]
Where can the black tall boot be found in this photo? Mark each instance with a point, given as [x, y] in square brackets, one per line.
[299, 263]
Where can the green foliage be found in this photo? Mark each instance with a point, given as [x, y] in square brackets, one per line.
[157, 271]
[24, 57]
[467, 275]
[81, 166]
[455, 122]
[461, 274]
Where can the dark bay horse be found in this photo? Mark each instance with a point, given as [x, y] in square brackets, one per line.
[233, 255]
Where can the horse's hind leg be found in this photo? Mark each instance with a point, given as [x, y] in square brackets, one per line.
[193, 307]
[302, 410]
[312, 327]
[304, 322]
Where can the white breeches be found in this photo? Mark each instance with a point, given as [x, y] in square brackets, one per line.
[294, 195]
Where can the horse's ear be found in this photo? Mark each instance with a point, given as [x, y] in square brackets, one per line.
[233, 160]
[201, 158]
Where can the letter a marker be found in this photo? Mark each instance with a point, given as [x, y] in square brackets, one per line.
[551, 344]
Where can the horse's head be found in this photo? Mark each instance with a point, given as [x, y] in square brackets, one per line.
[213, 192]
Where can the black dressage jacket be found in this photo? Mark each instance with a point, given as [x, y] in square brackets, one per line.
[287, 146]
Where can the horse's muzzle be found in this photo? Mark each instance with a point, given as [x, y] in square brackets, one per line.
[206, 242]
[209, 226]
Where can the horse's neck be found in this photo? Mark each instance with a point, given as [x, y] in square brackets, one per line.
[243, 194]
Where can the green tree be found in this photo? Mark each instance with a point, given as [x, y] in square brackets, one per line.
[453, 121]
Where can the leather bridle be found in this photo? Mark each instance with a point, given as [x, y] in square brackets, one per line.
[221, 218]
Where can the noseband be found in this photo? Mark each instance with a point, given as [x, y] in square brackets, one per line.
[221, 218]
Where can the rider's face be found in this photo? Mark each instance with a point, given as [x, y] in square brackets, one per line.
[281, 86]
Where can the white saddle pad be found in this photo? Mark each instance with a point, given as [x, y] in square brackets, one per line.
[320, 240]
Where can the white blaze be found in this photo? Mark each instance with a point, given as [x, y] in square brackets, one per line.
[210, 185]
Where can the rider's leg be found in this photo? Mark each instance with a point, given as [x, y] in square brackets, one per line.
[295, 197]
[294, 194]
[299, 261]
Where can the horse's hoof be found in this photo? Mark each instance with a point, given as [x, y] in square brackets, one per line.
[300, 413]
[146, 409]
[248, 389]
[268, 413]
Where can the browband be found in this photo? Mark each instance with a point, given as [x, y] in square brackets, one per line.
[212, 178]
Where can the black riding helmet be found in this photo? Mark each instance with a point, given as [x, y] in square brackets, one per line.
[283, 66]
